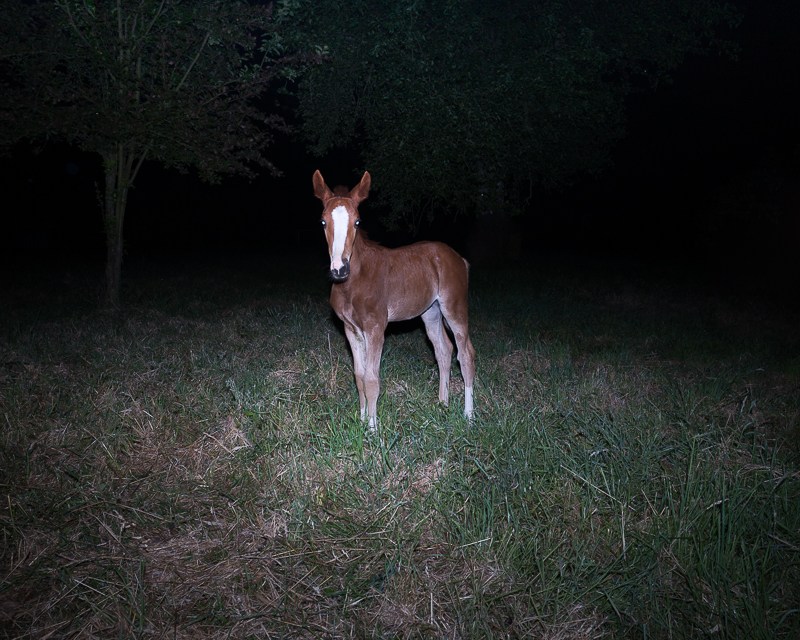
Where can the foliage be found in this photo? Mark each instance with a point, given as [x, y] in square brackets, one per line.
[200, 471]
[467, 106]
[180, 82]
[179, 79]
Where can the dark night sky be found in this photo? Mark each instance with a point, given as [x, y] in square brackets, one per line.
[675, 192]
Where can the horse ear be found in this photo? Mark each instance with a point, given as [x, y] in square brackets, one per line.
[361, 190]
[320, 188]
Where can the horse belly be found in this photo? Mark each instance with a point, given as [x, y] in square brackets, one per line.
[413, 278]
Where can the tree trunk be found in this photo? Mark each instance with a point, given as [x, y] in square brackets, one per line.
[119, 173]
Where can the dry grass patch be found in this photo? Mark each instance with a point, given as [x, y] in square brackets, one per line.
[418, 481]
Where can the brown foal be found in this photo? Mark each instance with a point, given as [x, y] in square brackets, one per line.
[373, 285]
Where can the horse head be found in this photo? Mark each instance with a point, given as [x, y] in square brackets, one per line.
[340, 220]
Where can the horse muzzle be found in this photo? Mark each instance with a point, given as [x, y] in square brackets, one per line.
[341, 274]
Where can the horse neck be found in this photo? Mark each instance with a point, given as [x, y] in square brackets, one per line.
[363, 252]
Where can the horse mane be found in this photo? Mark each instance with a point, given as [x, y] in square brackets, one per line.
[366, 239]
[341, 190]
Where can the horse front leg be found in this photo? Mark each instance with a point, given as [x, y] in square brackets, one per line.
[358, 345]
[372, 381]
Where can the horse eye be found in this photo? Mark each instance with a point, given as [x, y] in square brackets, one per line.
[357, 223]
[323, 223]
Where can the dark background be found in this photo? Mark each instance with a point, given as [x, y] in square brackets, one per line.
[706, 182]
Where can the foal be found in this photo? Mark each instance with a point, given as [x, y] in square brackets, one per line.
[373, 285]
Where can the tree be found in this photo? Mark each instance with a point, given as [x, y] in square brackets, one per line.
[467, 105]
[175, 81]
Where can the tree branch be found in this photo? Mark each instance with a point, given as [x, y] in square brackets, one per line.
[65, 8]
[193, 62]
[157, 15]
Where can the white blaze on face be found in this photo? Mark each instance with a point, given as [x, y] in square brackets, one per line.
[339, 219]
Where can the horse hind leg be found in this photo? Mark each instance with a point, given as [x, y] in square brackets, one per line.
[466, 358]
[459, 325]
[442, 347]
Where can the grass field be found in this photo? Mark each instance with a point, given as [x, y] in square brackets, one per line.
[196, 468]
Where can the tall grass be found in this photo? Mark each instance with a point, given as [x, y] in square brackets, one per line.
[197, 469]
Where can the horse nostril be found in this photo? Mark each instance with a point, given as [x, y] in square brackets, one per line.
[342, 272]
